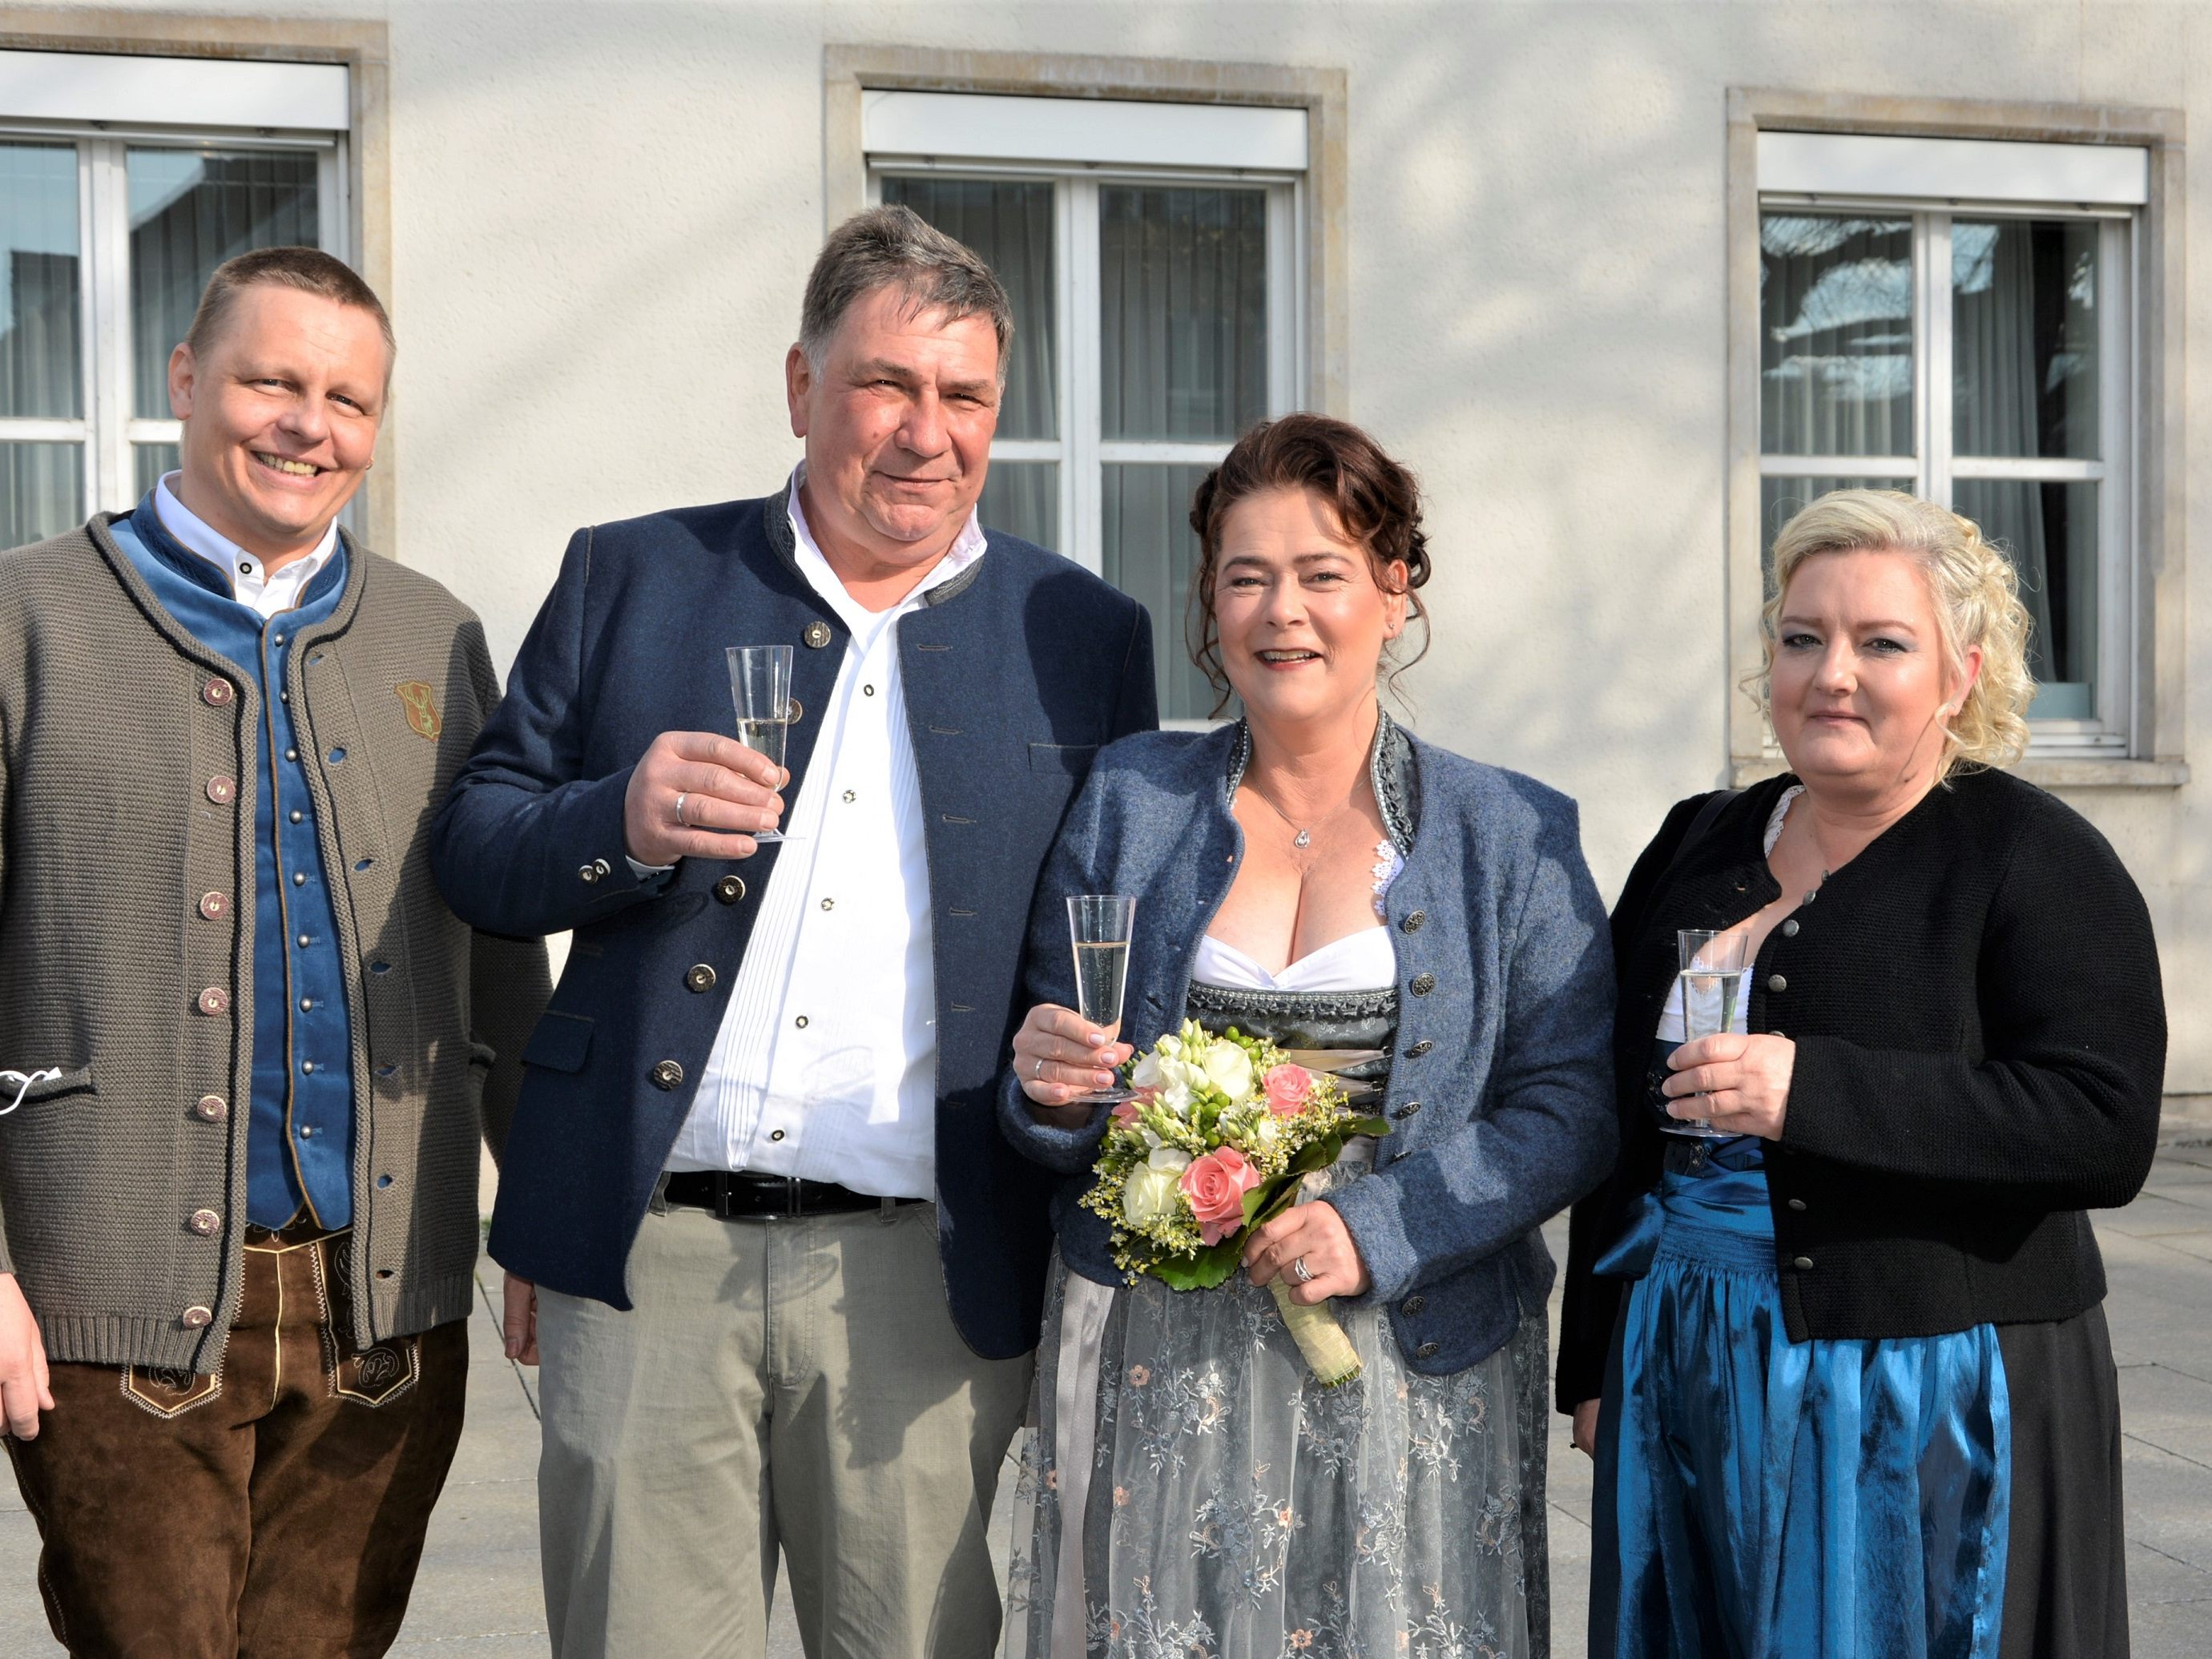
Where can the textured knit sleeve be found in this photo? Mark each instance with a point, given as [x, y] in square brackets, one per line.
[2061, 1109]
[1050, 977]
[1548, 1134]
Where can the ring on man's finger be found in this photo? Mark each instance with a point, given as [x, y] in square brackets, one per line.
[1039, 1070]
[681, 797]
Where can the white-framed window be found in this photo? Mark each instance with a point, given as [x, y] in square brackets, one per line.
[124, 181]
[1152, 253]
[1957, 317]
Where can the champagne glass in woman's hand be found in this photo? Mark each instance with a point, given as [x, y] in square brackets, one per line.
[1099, 926]
[1709, 985]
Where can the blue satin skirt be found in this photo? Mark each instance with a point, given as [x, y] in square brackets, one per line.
[1761, 1498]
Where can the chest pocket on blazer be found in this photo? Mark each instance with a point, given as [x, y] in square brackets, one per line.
[1068, 760]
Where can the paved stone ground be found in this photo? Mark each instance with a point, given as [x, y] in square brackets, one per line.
[478, 1592]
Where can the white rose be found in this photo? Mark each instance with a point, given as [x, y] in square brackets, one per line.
[1229, 1068]
[1150, 1194]
[1173, 1160]
[1149, 1073]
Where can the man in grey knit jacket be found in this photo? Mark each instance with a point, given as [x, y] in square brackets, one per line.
[238, 1217]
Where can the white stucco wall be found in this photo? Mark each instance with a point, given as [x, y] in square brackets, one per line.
[602, 215]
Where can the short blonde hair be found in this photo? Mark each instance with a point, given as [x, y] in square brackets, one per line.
[1973, 586]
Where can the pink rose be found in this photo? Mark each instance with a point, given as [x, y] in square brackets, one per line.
[1124, 1113]
[1216, 1185]
[1287, 1087]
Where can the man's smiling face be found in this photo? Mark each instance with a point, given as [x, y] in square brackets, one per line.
[280, 414]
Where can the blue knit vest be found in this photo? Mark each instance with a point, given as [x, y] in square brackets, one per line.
[299, 1145]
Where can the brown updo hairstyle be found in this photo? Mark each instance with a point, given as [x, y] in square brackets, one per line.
[1377, 503]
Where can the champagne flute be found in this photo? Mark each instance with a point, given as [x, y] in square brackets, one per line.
[760, 685]
[1710, 987]
[1099, 926]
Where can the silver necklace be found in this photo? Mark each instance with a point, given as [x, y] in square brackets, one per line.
[1304, 837]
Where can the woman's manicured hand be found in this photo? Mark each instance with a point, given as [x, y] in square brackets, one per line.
[1059, 1055]
[1744, 1080]
[1316, 1232]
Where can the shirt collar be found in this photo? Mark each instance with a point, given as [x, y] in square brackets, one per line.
[967, 547]
[246, 576]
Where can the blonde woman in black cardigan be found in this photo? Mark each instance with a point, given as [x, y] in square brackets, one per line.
[1844, 1370]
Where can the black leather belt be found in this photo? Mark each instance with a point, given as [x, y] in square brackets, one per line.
[743, 1193]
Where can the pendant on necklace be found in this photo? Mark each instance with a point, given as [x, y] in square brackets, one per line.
[1303, 838]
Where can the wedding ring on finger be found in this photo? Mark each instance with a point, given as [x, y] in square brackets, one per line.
[681, 797]
[1304, 1273]
[1038, 1070]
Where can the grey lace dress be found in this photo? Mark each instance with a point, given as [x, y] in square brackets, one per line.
[1233, 1508]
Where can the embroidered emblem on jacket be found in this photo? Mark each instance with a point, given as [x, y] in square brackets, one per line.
[421, 712]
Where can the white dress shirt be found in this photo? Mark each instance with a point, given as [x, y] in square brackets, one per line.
[251, 583]
[825, 1066]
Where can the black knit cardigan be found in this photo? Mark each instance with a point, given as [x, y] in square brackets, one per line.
[1981, 1046]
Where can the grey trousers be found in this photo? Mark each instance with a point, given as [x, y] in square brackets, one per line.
[781, 1385]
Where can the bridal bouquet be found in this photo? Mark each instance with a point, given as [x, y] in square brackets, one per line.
[1214, 1146]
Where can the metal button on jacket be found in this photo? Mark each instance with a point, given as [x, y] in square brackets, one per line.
[1777, 982]
[217, 692]
[699, 977]
[730, 888]
[1789, 928]
[1414, 1304]
[213, 1108]
[214, 1000]
[1420, 1049]
[1426, 1351]
[816, 634]
[667, 1074]
[223, 791]
[1796, 1203]
[1803, 1264]
[206, 1223]
[1414, 922]
[214, 906]
[1406, 1110]
[194, 1317]
[1423, 984]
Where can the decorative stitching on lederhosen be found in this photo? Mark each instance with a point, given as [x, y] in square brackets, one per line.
[374, 1376]
[168, 1391]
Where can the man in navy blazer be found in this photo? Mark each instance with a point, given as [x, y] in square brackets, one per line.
[784, 1273]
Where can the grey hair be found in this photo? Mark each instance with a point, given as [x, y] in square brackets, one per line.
[894, 246]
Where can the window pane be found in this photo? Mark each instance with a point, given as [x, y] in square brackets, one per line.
[2050, 531]
[1183, 293]
[1835, 325]
[41, 491]
[1023, 499]
[1010, 224]
[191, 210]
[2024, 318]
[151, 461]
[41, 375]
[1151, 553]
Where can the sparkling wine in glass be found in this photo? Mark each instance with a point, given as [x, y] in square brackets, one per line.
[1099, 926]
[760, 685]
[1708, 987]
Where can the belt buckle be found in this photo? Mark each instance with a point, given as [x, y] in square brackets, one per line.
[722, 1209]
[794, 1205]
